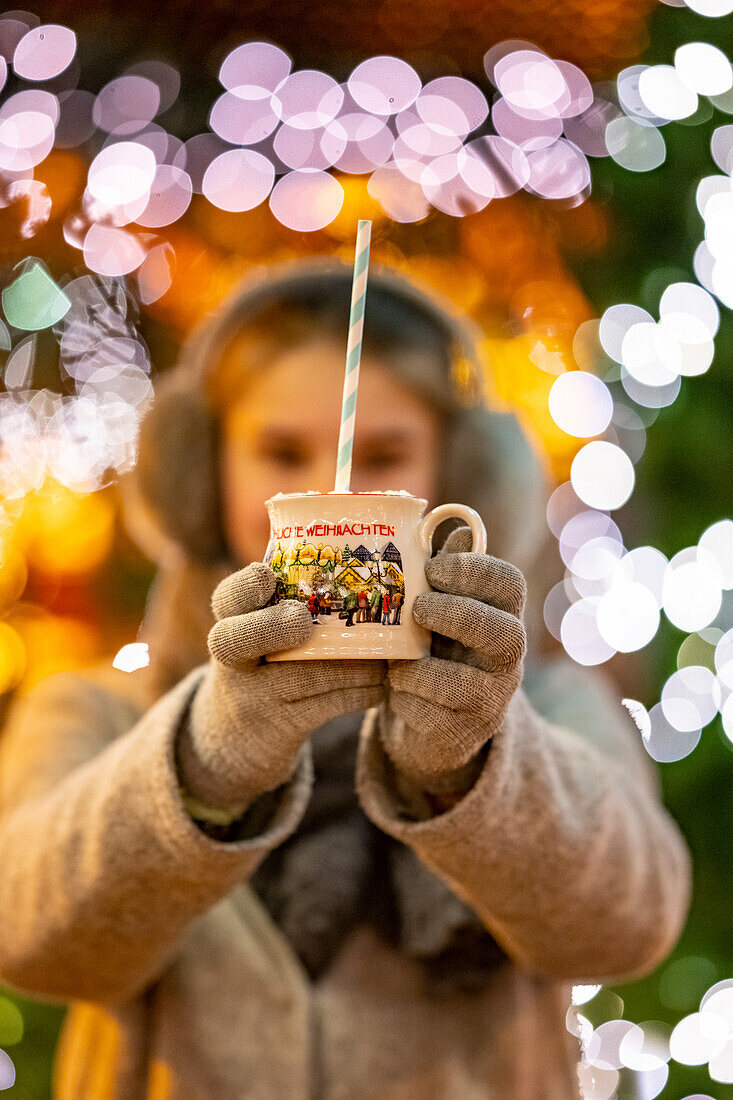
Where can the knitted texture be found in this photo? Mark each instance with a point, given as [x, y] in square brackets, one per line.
[249, 719]
[441, 710]
[112, 897]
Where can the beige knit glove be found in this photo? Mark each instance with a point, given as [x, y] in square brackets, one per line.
[248, 719]
[441, 710]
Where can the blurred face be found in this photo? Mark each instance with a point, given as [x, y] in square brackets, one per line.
[282, 437]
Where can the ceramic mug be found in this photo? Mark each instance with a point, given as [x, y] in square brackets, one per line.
[357, 560]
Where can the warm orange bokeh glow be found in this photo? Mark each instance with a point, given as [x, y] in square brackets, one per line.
[13, 578]
[49, 643]
[64, 174]
[65, 533]
[13, 658]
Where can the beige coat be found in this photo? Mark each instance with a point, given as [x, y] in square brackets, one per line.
[184, 988]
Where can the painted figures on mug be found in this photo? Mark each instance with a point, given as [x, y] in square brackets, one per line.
[361, 585]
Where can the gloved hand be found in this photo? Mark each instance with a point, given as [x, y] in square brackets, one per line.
[248, 719]
[441, 710]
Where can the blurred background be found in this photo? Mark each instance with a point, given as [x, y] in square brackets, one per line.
[562, 173]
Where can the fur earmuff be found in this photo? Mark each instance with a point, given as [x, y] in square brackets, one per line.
[488, 463]
[174, 490]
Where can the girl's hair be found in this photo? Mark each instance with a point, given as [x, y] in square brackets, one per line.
[396, 329]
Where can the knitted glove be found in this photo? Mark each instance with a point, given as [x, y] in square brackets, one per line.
[248, 719]
[441, 710]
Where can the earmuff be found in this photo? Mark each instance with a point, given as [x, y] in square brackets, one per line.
[171, 498]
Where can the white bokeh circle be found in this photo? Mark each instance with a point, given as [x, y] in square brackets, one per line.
[580, 404]
[628, 616]
[602, 475]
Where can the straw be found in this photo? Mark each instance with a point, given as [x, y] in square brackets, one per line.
[353, 357]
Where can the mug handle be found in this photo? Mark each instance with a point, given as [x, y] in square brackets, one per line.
[428, 524]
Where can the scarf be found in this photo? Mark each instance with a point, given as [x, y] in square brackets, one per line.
[337, 870]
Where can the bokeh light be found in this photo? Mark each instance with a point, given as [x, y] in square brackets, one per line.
[238, 179]
[692, 591]
[664, 94]
[63, 532]
[126, 105]
[44, 52]
[288, 147]
[664, 743]
[703, 68]
[580, 404]
[121, 173]
[580, 635]
[628, 616]
[640, 716]
[131, 657]
[7, 1071]
[306, 201]
[12, 658]
[602, 475]
[690, 698]
[384, 85]
[168, 197]
[254, 69]
[33, 300]
[11, 1023]
[697, 1038]
[635, 144]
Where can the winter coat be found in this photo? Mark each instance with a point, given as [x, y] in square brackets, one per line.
[182, 984]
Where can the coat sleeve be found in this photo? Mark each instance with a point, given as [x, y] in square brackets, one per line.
[102, 868]
[562, 846]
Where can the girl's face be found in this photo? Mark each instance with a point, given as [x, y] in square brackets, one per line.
[282, 436]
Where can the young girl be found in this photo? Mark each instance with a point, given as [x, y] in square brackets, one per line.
[246, 885]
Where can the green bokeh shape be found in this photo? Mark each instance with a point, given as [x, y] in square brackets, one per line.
[11, 1023]
[33, 301]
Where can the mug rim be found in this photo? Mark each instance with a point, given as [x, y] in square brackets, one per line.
[390, 494]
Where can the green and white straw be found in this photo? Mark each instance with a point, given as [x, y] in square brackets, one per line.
[353, 357]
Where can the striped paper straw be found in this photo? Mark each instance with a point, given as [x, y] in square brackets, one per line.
[353, 357]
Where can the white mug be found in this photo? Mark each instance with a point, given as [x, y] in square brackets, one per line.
[357, 560]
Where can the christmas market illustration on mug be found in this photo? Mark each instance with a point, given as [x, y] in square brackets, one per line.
[360, 585]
